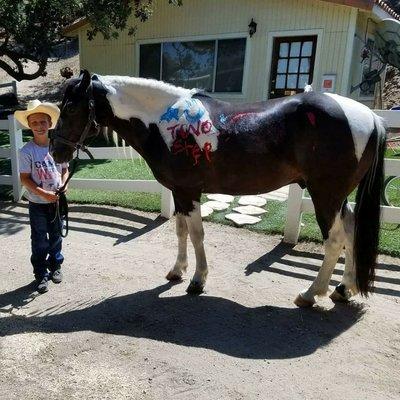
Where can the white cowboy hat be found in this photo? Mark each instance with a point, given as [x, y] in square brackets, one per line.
[34, 107]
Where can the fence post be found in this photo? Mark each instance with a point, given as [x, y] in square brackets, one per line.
[14, 86]
[293, 215]
[15, 144]
[167, 203]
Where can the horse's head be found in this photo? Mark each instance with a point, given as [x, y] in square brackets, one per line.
[77, 119]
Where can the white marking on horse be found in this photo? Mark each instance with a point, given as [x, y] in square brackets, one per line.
[360, 119]
[145, 99]
[188, 117]
[172, 108]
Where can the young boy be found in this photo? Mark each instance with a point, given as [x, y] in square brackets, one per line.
[42, 177]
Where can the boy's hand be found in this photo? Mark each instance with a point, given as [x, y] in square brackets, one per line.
[50, 196]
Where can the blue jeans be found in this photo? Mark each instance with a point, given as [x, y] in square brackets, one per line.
[46, 239]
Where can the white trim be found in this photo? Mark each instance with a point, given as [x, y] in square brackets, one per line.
[215, 37]
[380, 13]
[348, 60]
[301, 32]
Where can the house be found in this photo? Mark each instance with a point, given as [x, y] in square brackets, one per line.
[247, 50]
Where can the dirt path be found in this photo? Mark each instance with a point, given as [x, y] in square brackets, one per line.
[115, 329]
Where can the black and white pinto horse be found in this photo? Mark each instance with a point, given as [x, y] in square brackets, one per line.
[194, 144]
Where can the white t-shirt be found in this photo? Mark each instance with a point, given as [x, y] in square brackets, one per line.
[37, 161]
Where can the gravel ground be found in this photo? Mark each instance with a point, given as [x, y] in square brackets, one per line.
[116, 329]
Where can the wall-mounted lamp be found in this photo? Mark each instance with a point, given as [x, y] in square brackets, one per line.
[252, 27]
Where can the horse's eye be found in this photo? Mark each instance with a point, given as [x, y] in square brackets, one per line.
[71, 109]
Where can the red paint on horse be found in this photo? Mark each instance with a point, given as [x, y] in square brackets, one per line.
[311, 118]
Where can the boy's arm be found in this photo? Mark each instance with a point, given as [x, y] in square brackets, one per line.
[34, 188]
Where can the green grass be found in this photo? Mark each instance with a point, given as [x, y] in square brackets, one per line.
[272, 222]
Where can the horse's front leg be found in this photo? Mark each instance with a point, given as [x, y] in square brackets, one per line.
[196, 233]
[181, 261]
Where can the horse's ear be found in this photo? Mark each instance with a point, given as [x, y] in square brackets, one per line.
[85, 80]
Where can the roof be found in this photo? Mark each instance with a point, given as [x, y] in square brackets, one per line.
[382, 4]
[79, 23]
[361, 4]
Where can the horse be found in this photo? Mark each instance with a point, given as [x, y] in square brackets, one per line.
[196, 144]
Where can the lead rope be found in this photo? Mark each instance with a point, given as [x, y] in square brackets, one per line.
[61, 212]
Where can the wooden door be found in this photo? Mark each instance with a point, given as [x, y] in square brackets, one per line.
[292, 65]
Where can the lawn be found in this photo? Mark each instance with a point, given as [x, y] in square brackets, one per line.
[272, 222]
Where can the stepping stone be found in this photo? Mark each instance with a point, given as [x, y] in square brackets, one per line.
[252, 201]
[216, 205]
[241, 219]
[250, 210]
[205, 211]
[223, 198]
[277, 195]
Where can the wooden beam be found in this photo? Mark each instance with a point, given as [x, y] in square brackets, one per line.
[363, 4]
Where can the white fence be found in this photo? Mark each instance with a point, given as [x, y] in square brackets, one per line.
[12, 153]
[298, 203]
[149, 186]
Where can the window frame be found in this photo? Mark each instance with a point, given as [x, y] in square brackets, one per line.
[200, 38]
[271, 35]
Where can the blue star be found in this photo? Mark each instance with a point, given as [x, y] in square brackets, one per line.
[171, 113]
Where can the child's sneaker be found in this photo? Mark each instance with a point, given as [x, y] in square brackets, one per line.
[57, 276]
[43, 284]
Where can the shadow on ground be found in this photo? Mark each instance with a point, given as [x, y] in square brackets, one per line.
[222, 325]
[271, 262]
[15, 217]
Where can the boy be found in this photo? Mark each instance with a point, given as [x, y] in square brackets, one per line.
[42, 177]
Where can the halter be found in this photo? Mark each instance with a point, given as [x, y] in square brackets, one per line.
[79, 145]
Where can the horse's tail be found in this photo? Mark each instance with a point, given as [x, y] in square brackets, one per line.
[367, 213]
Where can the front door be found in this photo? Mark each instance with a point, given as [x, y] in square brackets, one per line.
[292, 65]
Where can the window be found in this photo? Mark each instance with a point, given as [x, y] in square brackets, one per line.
[212, 65]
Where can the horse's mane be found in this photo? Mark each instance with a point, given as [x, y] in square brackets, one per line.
[149, 84]
[146, 99]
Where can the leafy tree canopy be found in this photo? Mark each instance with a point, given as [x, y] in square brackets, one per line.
[30, 28]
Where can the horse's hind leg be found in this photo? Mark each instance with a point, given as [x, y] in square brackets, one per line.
[348, 286]
[331, 225]
[181, 261]
[196, 233]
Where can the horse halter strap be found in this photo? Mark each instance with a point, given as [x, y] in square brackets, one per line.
[91, 121]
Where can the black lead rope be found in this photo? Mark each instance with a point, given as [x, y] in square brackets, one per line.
[61, 212]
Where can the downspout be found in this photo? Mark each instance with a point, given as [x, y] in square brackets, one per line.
[345, 89]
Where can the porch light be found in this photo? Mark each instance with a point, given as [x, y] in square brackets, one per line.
[252, 27]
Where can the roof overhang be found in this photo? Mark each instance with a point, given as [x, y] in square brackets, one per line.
[382, 10]
[361, 4]
[72, 29]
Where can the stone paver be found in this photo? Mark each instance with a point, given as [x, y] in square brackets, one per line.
[205, 211]
[216, 205]
[223, 198]
[252, 201]
[242, 219]
[250, 210]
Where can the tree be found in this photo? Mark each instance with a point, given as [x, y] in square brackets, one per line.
[30, 28]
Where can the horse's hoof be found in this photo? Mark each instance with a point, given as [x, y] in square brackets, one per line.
[174, 277]
[339, 295]
[195, 288]
[300, 301]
